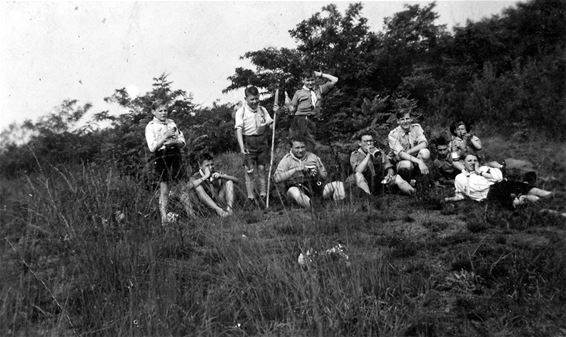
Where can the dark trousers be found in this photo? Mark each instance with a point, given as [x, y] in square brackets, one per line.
[303, 126]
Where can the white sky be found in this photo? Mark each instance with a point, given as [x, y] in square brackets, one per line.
[51, 51]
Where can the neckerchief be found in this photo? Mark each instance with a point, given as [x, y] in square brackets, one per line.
[314, 99]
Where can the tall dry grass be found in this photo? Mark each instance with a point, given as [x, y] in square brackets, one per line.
[84, 254]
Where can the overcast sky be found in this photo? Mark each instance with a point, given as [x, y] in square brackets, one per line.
[51, 51]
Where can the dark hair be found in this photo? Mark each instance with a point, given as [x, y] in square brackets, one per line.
[465, 154]
[441, 140]
[297, 138]
[456, 124]
[251, 91]
[365, 133]
[204, 156]
[402, 112]
[307, 73]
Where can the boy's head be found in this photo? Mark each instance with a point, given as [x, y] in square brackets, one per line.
[206, 160]
[366, 141]
[470, 162]
[252, 96]
[459, 128]
[159, 110]
[442, 147]
[404, 119]
[298, 147]
[309, 79]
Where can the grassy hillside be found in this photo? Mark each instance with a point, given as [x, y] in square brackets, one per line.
[84, 254]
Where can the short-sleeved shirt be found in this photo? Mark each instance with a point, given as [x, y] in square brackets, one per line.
[289, 162]
[252, 122]
[400, 140]
[303, 102]
[358, 156]
[155, 130]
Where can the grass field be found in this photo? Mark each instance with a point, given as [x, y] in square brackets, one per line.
[84, 255]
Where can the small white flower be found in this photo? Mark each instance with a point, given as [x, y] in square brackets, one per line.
[172, 217]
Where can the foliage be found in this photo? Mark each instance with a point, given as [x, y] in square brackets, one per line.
[448, 74]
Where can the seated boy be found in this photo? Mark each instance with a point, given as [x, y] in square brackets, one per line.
[304, 176]
[214, 190]
[444, 170]
[373, 169]
[409, 146]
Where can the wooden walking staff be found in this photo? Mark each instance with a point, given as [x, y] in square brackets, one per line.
[275, 108]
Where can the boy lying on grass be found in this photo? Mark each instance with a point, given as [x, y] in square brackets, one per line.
[487, 183]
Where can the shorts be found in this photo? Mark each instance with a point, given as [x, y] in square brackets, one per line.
[505, 191]
[374, 182]
[310, 188]
[409, 173]
[258, 149]
[168, 164]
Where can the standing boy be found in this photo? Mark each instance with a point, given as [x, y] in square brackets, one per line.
[409, 145]
[165, 141]
[306, 104]
[251, 122]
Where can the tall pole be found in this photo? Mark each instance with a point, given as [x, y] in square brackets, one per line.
[275, 108]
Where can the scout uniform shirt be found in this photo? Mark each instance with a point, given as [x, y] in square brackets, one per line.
[155, 130]
[401, 140]
[252, 122]
[307, 102]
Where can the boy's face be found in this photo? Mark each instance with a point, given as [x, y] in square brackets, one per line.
[470, 162]
[298, 149]
[207, 165]
[405, 121]
[366, 142]
[309, 82]
[160, 113]
[252, 100]
[442, 150]
[460, 130]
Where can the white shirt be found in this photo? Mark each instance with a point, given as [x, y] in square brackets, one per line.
[474, 186]
[252, 122]
[155, 132]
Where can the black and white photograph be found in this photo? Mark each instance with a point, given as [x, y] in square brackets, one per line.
[283, 168]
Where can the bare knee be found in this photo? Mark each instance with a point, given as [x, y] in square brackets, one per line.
[424, 154]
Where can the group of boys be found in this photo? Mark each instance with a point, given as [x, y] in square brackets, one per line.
[303, 173]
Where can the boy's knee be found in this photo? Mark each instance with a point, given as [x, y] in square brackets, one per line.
[424, 154]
